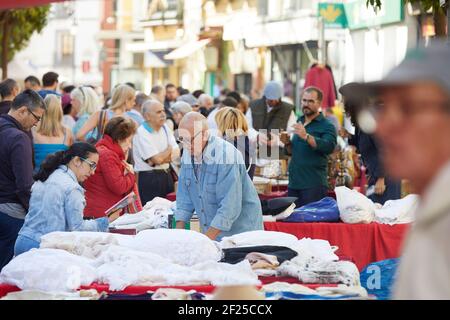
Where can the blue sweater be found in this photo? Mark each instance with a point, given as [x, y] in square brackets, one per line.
[16, 166]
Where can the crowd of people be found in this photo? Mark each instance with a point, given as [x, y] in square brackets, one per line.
[67, 154]
[148, 144]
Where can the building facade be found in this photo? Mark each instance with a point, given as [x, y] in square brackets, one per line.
[67, 45]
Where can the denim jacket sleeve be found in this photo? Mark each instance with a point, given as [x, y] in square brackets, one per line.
[74, 206]
[185, 207]
[229, 196]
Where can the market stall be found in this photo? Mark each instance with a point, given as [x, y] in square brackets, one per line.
[139, 290]
[364, 243]
[170, 259]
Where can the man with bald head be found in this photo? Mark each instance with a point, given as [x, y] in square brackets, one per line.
[214, 183]
[154, 147]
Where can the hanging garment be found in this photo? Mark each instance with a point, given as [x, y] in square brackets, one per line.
[322, 78]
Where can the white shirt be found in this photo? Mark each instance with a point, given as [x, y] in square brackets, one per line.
[212, 125]
[424, 270]
[147, 145]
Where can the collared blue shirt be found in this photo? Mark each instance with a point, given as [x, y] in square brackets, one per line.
[44, 92]
[57, 205]
[223, 196]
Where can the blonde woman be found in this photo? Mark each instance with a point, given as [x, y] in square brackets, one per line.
[233, 127]
[51, 135]
[85, 102]
[122, 101]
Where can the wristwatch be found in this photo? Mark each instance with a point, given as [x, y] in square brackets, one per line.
[307, 137]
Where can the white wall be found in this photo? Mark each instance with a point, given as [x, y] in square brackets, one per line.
[192, 75]
[40, 55]
[372, 53]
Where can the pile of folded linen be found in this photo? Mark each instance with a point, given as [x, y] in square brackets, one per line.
[172, 257]
[279, 254]
[154, 215]
[153, 257]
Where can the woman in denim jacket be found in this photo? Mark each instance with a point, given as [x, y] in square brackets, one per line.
[57, 198]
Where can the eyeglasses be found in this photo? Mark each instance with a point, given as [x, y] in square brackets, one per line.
[407, 109]
[37, 118]
[91, 164]
[187, 141]
[306, 101]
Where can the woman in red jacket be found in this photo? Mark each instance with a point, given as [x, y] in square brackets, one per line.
[114, 178]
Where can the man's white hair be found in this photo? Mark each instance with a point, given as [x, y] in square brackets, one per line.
[148, 105]
[191, 118]
[181, 107]
[204, 98]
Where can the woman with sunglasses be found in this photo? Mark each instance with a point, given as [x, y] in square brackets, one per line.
[57, 198]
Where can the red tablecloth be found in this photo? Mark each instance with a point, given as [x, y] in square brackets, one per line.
[6, 288]
[172, 196]
[273, 195]
[364, 243]
[135, 290]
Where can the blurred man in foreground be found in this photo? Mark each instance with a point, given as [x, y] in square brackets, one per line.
[412, 121]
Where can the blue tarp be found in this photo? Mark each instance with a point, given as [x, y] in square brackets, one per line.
[325, 210]
[378, 278]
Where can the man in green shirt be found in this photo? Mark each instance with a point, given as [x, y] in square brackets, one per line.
[313, 139]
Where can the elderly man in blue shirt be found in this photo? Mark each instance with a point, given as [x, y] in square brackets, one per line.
[214, 183]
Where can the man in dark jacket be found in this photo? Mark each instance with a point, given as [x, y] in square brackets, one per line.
[270, 116]
[381, 187]
[16, 168]
[9, 89]
[171, 98]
